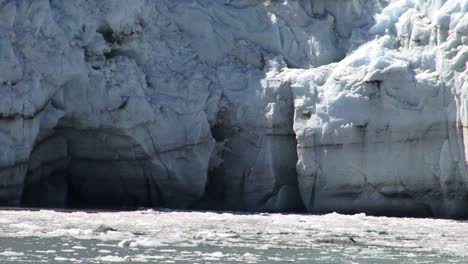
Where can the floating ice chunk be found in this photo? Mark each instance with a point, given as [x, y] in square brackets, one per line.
[61, 259]
[124, 243]
[285, 221]
[11, 254]
[79, 247]
[147, 242]
[114, 259]
[217, 254]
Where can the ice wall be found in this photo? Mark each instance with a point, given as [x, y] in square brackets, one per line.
[384, 130]
[250, 105]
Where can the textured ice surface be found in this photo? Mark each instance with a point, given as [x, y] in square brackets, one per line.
[330, 105]
[385, 127]
[190, 237]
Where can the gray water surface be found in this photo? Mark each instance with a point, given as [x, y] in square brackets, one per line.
[194, 237]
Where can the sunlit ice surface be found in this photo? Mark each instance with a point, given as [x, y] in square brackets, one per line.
[210, 237]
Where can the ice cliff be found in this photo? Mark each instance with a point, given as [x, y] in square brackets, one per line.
[322, 105]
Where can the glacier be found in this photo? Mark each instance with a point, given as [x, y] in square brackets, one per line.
[310, 105]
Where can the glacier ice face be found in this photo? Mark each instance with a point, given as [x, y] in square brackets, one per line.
[384, 129]
[248, 105]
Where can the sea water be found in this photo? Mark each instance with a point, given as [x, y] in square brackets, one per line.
[209, 237]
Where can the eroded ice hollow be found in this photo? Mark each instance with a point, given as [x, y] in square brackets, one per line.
[308, 105]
